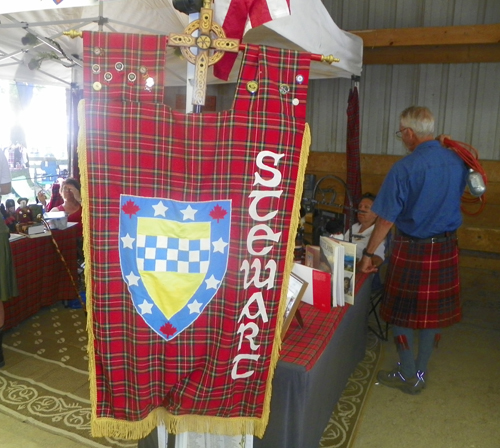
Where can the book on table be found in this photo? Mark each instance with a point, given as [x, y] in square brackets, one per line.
[340, 258]
[332, 261]
[36, 229]
[319, 286]
[349, 271]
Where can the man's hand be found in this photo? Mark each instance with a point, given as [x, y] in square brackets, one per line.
[442, 137]
[42, 197]
[365, 265]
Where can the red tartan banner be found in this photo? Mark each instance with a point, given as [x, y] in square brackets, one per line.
[177, 335]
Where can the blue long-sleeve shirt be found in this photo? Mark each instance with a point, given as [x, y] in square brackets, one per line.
[422, 192]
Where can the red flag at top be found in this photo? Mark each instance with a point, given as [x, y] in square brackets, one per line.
[238, 16]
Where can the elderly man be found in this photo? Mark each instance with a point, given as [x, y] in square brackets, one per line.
[421, 196]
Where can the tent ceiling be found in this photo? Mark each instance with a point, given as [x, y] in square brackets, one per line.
[309, 28]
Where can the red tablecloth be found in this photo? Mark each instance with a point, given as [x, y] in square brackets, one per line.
[303, 346]
[41, 276]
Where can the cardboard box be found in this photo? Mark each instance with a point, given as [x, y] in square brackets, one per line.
[319, 288]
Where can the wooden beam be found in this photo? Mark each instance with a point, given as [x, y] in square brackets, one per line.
[438, 54]
[439, 35]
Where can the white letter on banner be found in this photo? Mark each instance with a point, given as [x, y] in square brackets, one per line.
[258, 195]
[254, 332]
[256, 264]
[276, 179]
[234, 373]
[256, 297]
[269, 235]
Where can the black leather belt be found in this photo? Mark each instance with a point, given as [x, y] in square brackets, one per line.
[439, 238]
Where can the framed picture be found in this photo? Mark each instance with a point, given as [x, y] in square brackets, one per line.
[296, 289]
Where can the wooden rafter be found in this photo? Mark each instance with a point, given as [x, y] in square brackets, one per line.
[430, 45]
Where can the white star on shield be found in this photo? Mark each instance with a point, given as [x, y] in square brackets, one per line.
[189, 213]
[146, 307]
[133, 280]
[127, 241]
[194, 307]
[212, 282]
[160, 209]
[219, 245]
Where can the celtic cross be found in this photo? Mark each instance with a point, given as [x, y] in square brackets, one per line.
[204, 43]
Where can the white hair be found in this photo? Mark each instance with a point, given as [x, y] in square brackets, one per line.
[420, 119]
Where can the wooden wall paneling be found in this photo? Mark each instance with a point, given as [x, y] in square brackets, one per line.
[479, 239]
[337, 125]
[353, 13]
[479, 234]
[491, 13]
[323, 117]
[225, 95]
[436, 13]
[312, 106]
[380, 13]
[458, 98]
[437, 54]
[472, 104]
[403, 94]
[320, 110]
[428, 87]
[339, 104]
[327, 114]
[373, 110]
[486, 131]
[427, 34]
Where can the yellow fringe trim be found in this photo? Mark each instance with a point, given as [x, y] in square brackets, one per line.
[110, 427]
[84, 183]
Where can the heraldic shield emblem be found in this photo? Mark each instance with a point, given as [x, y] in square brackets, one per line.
[173, 258]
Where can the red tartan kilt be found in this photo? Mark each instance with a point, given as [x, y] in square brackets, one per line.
[422, 286]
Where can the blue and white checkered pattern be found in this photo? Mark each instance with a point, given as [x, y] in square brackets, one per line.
[166, 254]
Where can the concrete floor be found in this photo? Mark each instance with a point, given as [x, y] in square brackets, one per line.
[460, 408]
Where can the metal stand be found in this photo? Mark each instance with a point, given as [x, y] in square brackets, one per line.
[382, 328]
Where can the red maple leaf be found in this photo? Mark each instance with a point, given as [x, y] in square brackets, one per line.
[168, 329]
[218, 213]
[130, 208]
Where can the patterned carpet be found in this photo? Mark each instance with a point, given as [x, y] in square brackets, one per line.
[45, 379]
[341, 428]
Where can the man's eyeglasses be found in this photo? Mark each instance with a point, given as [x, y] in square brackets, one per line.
[399, 134]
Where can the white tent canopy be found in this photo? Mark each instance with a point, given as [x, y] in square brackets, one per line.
[309, 28]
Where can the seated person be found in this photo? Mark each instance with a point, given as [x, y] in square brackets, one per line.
[9, 214]
[362, 230]
[335, 227]
[55, 197]
[72, 204]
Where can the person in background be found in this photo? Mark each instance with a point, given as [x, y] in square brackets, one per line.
[9, 214]
[72, 204]
[421, 196]
[362, 230]
[8, 283]
[335, 228]
[49, 166]
[55, 197]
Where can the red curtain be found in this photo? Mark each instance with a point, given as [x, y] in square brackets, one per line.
[353, 174]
